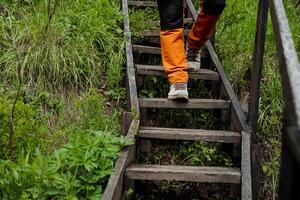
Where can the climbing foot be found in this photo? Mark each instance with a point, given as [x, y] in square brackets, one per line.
[178, 91]
[193, 59]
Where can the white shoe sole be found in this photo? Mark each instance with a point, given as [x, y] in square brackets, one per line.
[193, 66]
[178, 96]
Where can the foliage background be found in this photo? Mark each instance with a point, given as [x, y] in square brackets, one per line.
[60, 97]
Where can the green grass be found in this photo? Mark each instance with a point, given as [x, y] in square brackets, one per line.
[60, 97]
[235, 41]
[75, 47]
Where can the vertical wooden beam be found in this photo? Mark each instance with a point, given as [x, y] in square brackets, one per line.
[290, 75]
[261, 26]
[288, 62]
[290, 164]
[144, 145]
[126, 121]
[130, 71]
[114, 188]
[139, 81]
[256, 75]
[246, 167]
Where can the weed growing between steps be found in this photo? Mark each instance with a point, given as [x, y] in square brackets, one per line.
[165, 190]
[186, 153]
[60, 97]
[183, 118]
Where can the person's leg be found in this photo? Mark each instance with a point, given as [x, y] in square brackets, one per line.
[172, 40]
[205, 24]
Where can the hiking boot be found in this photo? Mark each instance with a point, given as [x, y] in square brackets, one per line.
[178, 91]
[193, 59]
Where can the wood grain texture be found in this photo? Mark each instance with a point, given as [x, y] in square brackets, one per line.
[114, 187]
[246, 166]
[184, 173]
[288, 62]
[155, 33]
[185, 21]
[189, 134]
[157, 70]
[192, 103]
[146, 49]
[130, 71]
[142, 3]
[257, 65]
[126, 122]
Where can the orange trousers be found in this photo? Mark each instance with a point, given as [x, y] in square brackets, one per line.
[172, 34]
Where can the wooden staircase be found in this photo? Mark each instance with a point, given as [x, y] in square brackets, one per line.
[238, 133]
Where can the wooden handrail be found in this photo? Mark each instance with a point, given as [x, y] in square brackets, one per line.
[257, 65]
[290, 77]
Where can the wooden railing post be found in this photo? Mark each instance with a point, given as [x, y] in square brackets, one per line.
[290, 164]
[261, 26]
[290, 76]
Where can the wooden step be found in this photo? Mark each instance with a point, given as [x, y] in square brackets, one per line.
[157, 70]
[156, 33]
[146, 49]
[189, 134]
[184, 173]
[142, 3]
[191, 103]
[185, 21]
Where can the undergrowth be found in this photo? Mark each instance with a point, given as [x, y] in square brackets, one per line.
[61, 43]
[186, 153]
[60, 97]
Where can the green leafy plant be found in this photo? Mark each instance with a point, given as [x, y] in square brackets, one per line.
[204, 153]
[79, 170]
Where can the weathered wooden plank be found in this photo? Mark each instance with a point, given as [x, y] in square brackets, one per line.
[144, 145]
[114, 187]
[155, 33]
[246, 167]
[184, 173]
[288, 62]
[191, 103]
[185, 21]
[261, 27]
[130, 71]
[290, 164]
[126, 122]
[189, 134]
[146, 49]
[290, 75]
[157, 70]
[142, 3]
